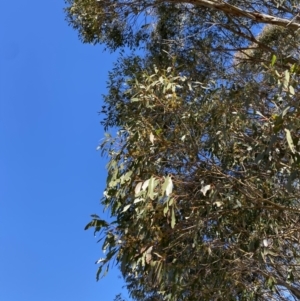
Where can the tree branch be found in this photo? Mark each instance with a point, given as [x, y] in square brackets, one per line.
[232, 10]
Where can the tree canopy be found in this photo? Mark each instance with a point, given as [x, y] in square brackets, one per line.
[203, 172]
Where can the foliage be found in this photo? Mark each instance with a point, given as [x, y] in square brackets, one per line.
[203, 173]
[205, 187]
[132, 23]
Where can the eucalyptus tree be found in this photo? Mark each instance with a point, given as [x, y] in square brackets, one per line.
[203, 174]
[204, 189]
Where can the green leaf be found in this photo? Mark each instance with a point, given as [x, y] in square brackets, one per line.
[151, 188]
[89, 225]
[167, 186]
[137, 200]
[97, 224]
[293, 68]
[291, 90]
[274, 58]
[98, 273]
[173, 221]
[290, 141]
[138, 188]
[126, 208]
[145, 184]
[126, 177]
[285, 111]
[286, 79]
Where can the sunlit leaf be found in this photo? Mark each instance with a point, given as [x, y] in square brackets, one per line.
[218, 203]
[265, 242]
[286, 79]
[173, 220]
[285, 111]
[138, 188]
[137, 200]
[273, 61]
[145, 184]
[151, 137]
[167, 186]
[290, 140]
[205, 189]
[151, 188]
[126, 208]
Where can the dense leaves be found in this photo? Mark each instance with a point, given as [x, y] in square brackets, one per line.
[205, 187]
[203, 173]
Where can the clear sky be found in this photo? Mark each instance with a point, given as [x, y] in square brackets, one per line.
[52, 177]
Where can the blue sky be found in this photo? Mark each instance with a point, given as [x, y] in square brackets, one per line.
[51, 176]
